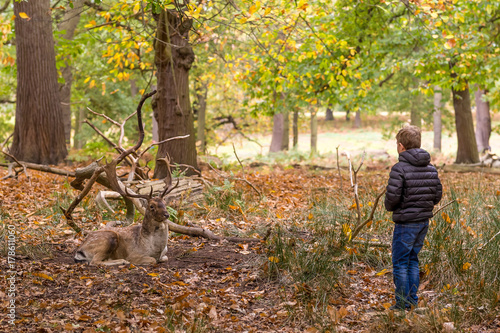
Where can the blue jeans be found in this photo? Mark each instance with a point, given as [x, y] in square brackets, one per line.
[407, 241]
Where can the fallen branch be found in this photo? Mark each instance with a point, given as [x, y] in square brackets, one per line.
[470, 168]
[205, 233]
[44, 168]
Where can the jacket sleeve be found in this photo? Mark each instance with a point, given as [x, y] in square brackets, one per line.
[439, 192]
[394, 193]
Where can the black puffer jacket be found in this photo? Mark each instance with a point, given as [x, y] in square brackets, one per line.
[414, 187]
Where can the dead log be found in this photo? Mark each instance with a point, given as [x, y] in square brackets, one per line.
[44, 168]
[470, 168]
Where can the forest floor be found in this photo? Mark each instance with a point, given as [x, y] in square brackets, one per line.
[206, 286]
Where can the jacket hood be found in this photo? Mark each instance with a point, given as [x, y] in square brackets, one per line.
[415, 156]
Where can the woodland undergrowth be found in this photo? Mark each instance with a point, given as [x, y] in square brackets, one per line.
[310, 254]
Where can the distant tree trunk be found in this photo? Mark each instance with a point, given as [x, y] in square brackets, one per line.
[78, 141]
[415, 105]
[171, 106]
[357, 120]
[347, 116]
[39, 129]
[415, 117]
[329, 114]
[68, 24]
[438, 95]
[201, 94]
[467, 147]
[483, 121]
[295, 128]
[314, 132]
[279, 139]
[133, 88]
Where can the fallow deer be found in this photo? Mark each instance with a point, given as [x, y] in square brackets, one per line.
[140, 244]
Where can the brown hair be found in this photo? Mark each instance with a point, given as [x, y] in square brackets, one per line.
[410, 137]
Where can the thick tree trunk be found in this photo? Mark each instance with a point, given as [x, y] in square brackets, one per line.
[39, 129]
[201, 94]
[314, 132]
[483, 121]
[68, 24]
[438, 95]
[171, 106]
[467, 148]
[295, 127]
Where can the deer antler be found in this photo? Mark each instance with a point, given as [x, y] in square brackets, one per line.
[110, 169]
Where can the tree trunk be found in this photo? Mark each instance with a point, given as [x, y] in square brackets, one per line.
[171, 106]
[438, 95]
[295, 127]
[329, 114]
[314, 132]
[357, 120]
[415, 117]
[68, 24]
[78, 141]
[483, 122]
[39, 129]
[467, 148]
[278, 133]
[201, 94]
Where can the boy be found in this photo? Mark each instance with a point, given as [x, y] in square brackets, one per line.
[413, 190]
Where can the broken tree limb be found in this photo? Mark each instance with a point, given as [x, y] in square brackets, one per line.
[205, 233]
[44, 168]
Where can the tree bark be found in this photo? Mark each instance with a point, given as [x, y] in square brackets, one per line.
[438, 95]
[483, 121]
[357, 120]
[467, 147]
[201, 94]
[314, 132]
[329, 114]
[295, 127]
[39, 129]
[78, 141]
[278, 133]
[171, 105]
[68, 24]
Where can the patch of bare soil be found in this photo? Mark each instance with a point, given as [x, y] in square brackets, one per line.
[204, 286]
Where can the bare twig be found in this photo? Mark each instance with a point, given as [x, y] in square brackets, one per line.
[237, 179]
[338, 168]
[20, 164]
[163, 141]
[370, 218]
[6, 141]
[354, 183]
[443, 207]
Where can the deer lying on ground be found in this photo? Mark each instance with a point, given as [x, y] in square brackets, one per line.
[141, 244]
